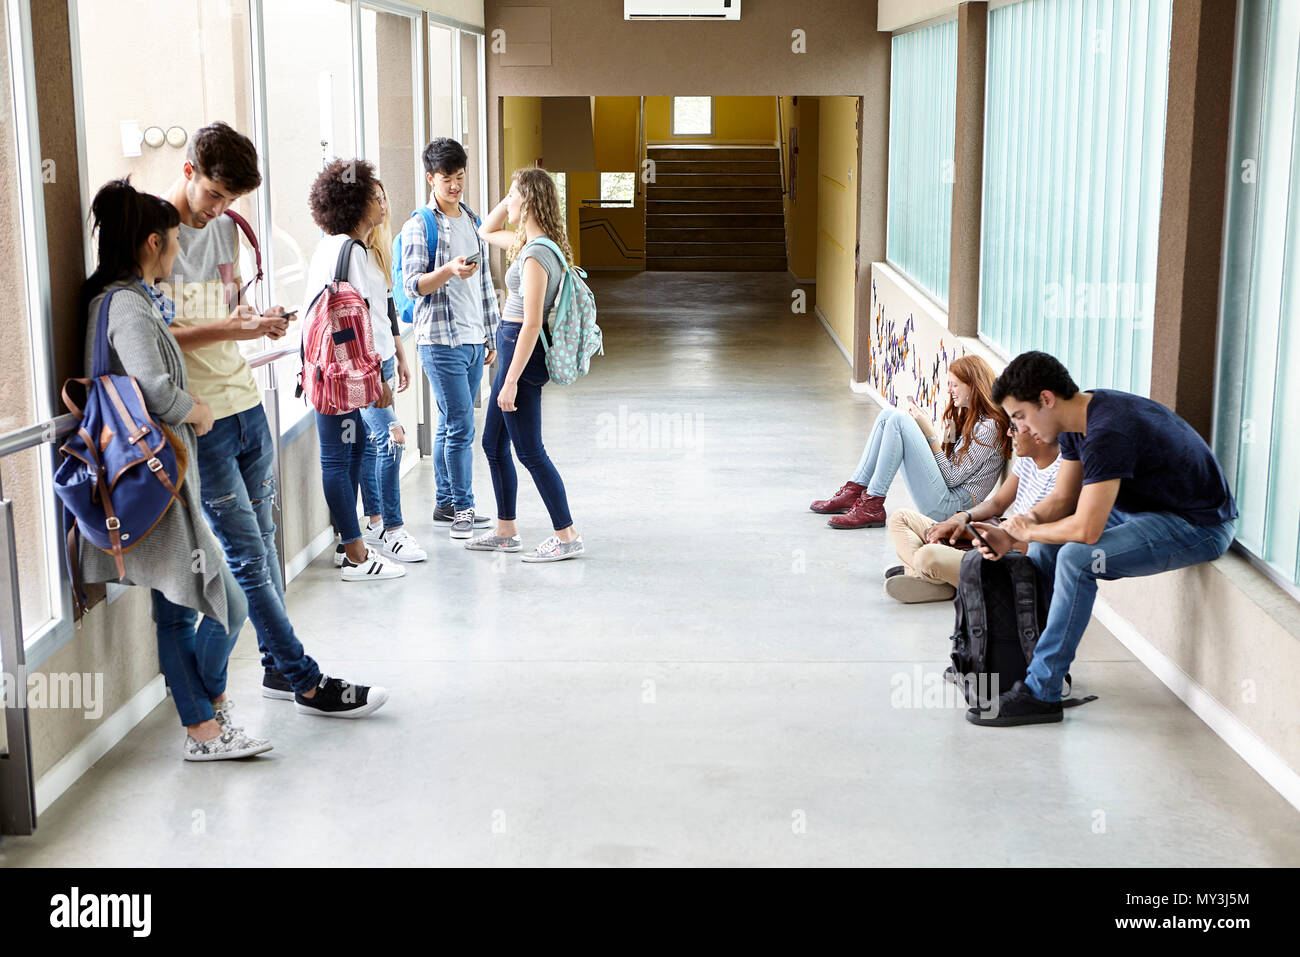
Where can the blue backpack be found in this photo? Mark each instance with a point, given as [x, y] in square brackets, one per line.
[121, 469]
[405, 307]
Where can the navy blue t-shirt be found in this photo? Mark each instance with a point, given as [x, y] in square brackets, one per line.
[1162, 462]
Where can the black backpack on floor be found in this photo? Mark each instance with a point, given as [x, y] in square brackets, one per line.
[1001, 610]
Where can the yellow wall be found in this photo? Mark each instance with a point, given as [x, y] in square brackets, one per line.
[522, 122]
[837, 165]
[735, 119]
[615, 131]
[801, 215]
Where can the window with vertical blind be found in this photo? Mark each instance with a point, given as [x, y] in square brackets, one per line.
[922, 114]
[1259, 324]
[1073, 161]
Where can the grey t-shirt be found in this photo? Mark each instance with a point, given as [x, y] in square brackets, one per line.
[466, 295]
[513, 311]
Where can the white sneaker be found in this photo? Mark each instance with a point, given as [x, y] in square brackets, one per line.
[231, 743]
[398, 545]
[371, 568]
[373, 534]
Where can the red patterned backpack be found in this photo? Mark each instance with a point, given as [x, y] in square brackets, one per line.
[340, 367]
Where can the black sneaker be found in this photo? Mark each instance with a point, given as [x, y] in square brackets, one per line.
[336, 698]
[276, 685]
[1014, 707]
[893, 570]
[446, 514]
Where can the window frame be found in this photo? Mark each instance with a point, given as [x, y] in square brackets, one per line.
[58, 628]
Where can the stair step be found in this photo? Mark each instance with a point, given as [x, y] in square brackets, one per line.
[718, 263]
[713, 193]
[707, 220]
[711, 179]
[666, 207]
[716, 234]
[772, 165]
[711, 152]
[694, 250]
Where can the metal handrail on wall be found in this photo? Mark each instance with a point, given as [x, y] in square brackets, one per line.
[17, 782]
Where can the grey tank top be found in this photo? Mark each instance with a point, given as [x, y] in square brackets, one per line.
[513, 311]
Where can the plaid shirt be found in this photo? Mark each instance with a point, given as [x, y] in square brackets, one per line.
[432, 314]
[165, 305]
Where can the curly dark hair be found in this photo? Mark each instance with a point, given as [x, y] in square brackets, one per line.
[225, 156]
[1029, 374]
[340, 195]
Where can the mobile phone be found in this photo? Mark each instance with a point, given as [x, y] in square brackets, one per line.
[974, 532]
[471, 260]
[288, 315]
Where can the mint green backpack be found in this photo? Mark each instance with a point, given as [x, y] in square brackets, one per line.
[575, 337]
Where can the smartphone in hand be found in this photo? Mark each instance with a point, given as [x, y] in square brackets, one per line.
[472, 260]
[975, 533]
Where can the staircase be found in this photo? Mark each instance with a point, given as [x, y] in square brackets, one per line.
[715, 208]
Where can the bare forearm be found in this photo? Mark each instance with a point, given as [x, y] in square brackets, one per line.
[430, 281]
[524, 346]
[190, 338]
[1072, 528]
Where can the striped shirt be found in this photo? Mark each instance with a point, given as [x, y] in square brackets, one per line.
[980, 466]
[1032, 483]
[432, 317]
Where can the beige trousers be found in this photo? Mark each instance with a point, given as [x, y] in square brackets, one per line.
[938, 564]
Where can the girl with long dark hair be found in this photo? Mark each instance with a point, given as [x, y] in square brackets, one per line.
[180, 560]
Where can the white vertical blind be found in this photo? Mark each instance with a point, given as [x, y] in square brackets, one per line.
[1259, 334]
[1073, 156]
[922, 115]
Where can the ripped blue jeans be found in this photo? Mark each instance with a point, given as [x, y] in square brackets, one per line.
[381, 464]
[237, 487]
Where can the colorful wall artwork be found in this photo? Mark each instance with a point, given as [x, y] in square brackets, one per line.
[903, 360]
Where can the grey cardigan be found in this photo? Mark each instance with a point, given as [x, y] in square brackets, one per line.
[180, 557]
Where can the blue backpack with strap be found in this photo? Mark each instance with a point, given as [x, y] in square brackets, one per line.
[404, 306]
[121, 469]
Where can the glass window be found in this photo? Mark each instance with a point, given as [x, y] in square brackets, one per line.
[1259, 331]
[1073, 159]
[25, 476]
[692, 116]
[311, 118]
[922, 115]
[394, 131]
[442, 81]
[618, 187]
[471, 110]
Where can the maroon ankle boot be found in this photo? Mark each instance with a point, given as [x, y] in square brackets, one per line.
[867, 512]
[841, 501]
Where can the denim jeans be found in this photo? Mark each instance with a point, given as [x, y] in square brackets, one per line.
[238, 491]
[194, 660]
[897, 442]
[1133, 544]
[523, 429]
[381, 463]
[342, 449]
[454, 372]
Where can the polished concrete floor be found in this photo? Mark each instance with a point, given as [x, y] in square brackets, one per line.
[719, 681]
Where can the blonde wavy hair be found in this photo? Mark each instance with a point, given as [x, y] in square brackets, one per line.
[380, 241]
[541, 201]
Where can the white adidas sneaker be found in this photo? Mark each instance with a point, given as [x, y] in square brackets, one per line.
[371, 568]
[398, 545]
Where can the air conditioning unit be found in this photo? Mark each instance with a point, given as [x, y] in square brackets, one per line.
[681, 9]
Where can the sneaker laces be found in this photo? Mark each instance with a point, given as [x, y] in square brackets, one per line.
[552, 544]
[465, 515]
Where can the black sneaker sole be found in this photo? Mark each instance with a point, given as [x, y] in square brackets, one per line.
[1049, 717]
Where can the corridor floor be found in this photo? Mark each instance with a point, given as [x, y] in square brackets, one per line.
[719, 681]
